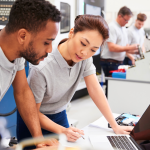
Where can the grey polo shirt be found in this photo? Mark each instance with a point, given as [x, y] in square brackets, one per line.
[8, 71]
[135, 36]
[117, 35]
[53, 82]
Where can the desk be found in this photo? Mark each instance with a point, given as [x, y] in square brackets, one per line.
[91, 130]
[128, 96]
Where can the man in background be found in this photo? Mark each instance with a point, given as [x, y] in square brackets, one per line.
[115, 48]
[32, 26]
[136, 35]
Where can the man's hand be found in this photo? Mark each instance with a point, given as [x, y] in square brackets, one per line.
[133, 49]
[133, 62]
[50, 142]
[123, 129]
[73, 133]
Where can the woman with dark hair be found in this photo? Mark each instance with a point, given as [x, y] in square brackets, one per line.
[54, 81]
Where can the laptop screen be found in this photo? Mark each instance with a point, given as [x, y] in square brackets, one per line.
[141, 132]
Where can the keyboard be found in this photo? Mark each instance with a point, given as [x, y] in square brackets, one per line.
[120, 143]
[4, 11]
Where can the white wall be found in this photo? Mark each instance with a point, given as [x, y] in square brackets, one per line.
[134, 5]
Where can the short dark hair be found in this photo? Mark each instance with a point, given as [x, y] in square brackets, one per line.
[125, 11]
[141, 17]
[31, 15]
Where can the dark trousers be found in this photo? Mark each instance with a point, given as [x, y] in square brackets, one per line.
[107, 67]
[127, 61]
[23, 132]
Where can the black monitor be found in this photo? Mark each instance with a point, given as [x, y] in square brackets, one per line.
[141, 132]
[5, 7]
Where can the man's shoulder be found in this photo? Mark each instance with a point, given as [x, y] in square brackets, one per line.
[113, 27]
[142, 31]
[130, 30]
[112, 24]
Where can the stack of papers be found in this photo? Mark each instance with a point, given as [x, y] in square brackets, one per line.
[102, 123]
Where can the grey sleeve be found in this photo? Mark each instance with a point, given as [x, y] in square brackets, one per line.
[89, 67]
[112, 35]
[37, 83]
[21, 62]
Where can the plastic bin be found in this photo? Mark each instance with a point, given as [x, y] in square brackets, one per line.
[121, 75]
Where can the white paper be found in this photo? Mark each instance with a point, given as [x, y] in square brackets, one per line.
[102, 123]
[80, 142]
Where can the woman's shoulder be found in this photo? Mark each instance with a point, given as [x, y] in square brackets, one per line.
[90, 59]
[48, 61]
[83, 63]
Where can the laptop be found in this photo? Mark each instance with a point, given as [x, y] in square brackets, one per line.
[139, 138]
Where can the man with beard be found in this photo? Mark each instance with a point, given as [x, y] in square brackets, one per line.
[32, 26]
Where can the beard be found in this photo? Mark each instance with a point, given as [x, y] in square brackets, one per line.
[30, 55]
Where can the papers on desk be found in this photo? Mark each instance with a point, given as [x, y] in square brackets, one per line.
[98, 124]
[90, 135]
[102, 123]
[80, 142]
[98, 139]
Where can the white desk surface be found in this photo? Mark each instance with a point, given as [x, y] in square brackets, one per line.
[90, 131]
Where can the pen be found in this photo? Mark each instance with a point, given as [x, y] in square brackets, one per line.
[79, 133]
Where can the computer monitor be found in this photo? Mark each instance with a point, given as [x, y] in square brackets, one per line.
[94, 10]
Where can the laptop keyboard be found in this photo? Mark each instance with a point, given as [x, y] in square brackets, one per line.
[120, 143]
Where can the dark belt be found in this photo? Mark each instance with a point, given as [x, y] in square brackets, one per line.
[111, 61]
